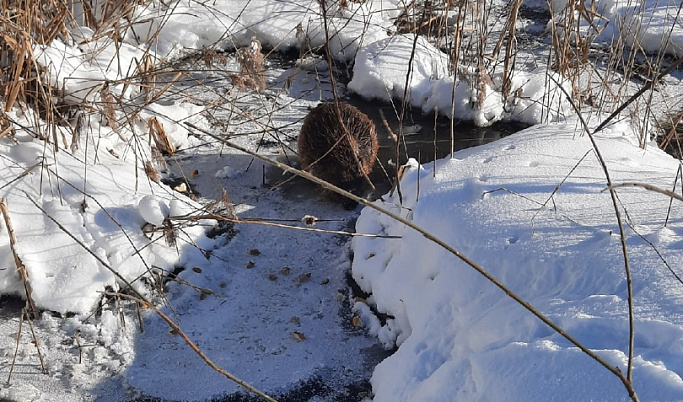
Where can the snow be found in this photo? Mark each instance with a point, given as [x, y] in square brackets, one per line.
[53, 255]
[380, 69]
[282, 24]
[560, 252]
[152, 210]
[272, 304]
[380, 72]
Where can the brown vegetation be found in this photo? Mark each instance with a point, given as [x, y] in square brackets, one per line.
[252, 74]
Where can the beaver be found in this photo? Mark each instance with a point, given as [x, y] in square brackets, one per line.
[329, 153]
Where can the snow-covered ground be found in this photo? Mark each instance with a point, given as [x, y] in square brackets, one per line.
[461, 338]
[272, 305]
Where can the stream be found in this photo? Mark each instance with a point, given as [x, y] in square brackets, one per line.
[269, 123]
[424, 138]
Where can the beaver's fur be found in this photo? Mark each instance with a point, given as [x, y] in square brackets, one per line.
[350, 157]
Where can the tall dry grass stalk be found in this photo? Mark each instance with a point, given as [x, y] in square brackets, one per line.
[604, 76]
[24, 25]
[508, 40]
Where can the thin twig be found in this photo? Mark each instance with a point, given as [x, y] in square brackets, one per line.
[654, 248]
[274, 224]
[80, 348]
[679, 173]
[401, 117]
[636, 95]
[35, 340]
[16, 348]
[648, 187]
[557, 187]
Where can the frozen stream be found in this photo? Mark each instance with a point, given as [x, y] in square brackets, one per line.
[280, 284]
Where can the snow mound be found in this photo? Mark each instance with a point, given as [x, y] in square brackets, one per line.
[152, 210]
[461, 338]
[381, 69]
[276, 24]
[69, 215]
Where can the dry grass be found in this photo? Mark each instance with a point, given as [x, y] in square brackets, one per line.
[25, 83]
[27, 24]
[23, 24]
[604, 76]
[252, 74]
[671, 139]
[161, 139]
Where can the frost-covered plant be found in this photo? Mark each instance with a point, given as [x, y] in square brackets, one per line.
[252, 74]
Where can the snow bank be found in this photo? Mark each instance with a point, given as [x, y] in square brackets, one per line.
[381, 69]
[93, 192]
[101, 208]
[460, 338]
[276, 24]
[651, 24]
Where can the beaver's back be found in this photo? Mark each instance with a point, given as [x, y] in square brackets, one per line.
[327, 153]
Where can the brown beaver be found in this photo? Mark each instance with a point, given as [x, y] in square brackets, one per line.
[338, 144]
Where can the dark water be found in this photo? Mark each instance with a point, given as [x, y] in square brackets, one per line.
[10, 307]
[424, 137]
[419, 129]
